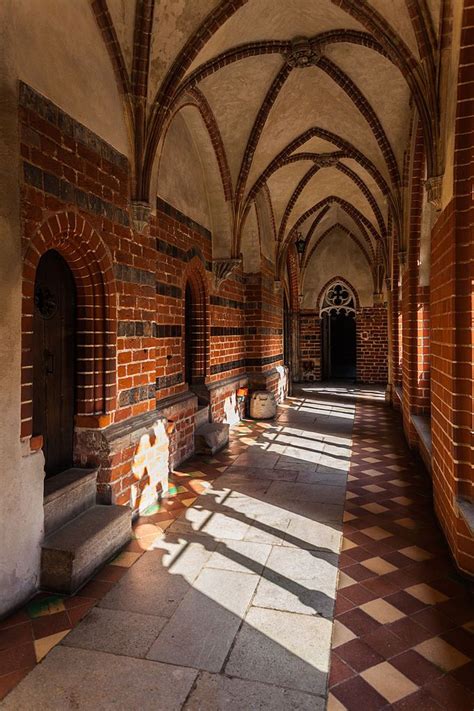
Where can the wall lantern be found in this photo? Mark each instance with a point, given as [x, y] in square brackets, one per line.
[300, 243]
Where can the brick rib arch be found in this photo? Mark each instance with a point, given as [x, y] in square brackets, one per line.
[91, 266]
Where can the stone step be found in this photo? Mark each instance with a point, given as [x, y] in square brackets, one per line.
[73, 553]
[211, 437]
[202, 416]
[67, 495]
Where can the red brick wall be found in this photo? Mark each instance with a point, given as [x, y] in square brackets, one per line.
[224, 403]
[264, 325]
[74, 198]
[131, 288]
[310, 345]
[184, 253]
[452, 326]
[372, 344]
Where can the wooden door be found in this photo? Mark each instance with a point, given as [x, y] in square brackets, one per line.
[54, 359]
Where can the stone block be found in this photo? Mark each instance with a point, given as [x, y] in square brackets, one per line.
[211, 437]
[72, 554]
[67, 495]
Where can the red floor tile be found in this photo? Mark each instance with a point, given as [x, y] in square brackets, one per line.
[357, 695]
[15, 635]
[358, 655]
[358, 622]
[416, 668]
[419, 701]
[9, 681]
[450, 694]
[340, 671]
[385, 642]
[50, 624]
[16, 658]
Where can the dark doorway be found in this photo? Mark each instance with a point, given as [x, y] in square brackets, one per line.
[54, 359]
[339, 346]
[189, 346]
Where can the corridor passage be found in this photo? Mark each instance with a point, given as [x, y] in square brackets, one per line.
[226, 597]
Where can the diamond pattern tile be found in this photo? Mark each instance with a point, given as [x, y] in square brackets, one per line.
[421, 634]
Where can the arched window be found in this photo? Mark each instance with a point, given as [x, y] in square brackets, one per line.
[338, 298]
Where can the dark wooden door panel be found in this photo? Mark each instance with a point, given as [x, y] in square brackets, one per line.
[54, 361]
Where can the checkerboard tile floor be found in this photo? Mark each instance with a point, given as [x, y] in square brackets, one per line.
[403, 626]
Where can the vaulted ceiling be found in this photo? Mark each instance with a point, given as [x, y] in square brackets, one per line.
[308, 105]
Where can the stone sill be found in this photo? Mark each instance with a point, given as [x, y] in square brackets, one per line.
[399, 393]
[422, 425]
[466, 510]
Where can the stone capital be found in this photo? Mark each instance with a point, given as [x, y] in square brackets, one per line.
[140, 212]
[433, 188]
[222, 269]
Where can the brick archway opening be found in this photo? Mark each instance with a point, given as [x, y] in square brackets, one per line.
[337, 305]
[92, 272]
[195, 360]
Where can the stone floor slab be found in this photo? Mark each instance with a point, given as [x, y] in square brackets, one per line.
[276, 474]
[305, 597]
[201, 632]
[116, 631]
[240, 556]
[219, 692]
[257, 457]
[311, 535]
[282, 648]
[157, 583]
[318, 493]
[88, 680]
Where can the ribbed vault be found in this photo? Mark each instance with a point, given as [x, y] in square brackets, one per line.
[306, 108]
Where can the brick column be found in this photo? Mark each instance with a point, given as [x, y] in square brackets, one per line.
[264, 326]
[310, 345]
[410, 276]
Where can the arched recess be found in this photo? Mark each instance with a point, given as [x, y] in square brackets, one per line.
[96, 318]
[195, 346]
[337, 303]
[188, 173]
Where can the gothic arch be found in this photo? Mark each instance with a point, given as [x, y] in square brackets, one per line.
[195, 280]
[91, 266]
